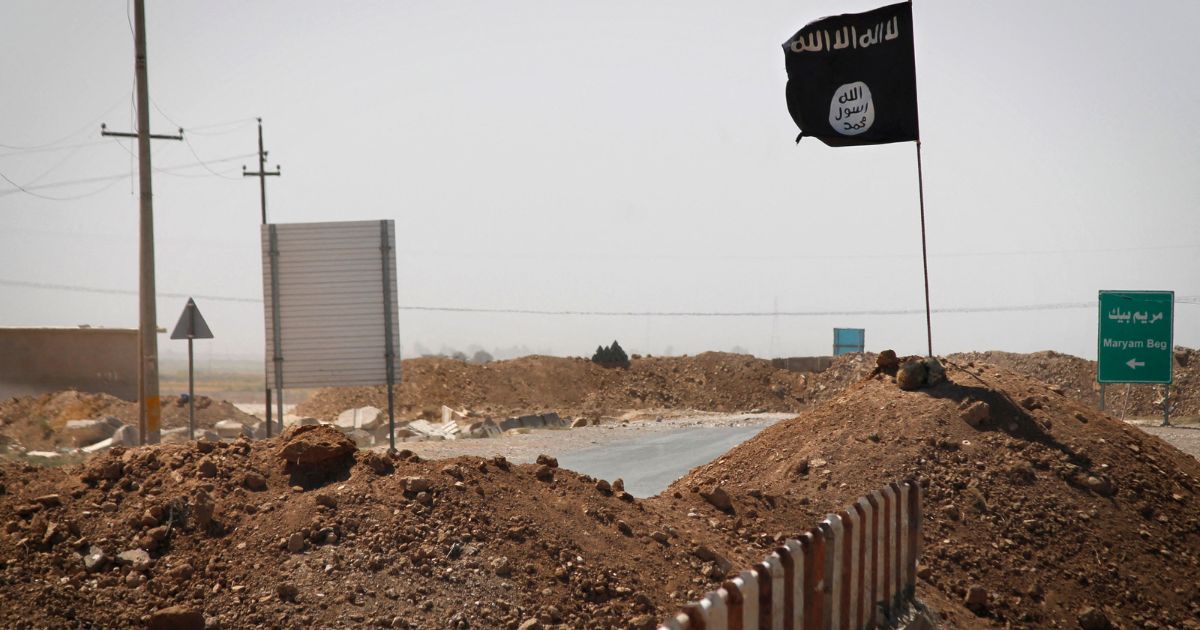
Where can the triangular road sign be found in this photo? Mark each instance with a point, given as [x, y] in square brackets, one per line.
[191, 324]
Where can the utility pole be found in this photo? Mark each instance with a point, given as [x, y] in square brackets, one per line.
[262, 176]
[149, 405]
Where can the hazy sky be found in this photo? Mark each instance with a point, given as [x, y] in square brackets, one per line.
[617, 155]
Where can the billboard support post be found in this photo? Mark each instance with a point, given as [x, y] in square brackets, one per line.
[389, 353]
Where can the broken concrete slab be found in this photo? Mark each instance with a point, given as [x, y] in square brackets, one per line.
[365, 418]
[230, 429]
[85, 432]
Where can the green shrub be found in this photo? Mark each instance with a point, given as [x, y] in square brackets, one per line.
[611, 356]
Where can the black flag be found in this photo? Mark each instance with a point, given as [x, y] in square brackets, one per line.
[852, 79]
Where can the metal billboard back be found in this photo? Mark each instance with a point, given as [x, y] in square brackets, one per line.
[333, 281]
[846, 340]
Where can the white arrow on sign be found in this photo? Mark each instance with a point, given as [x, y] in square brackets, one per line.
[1134, 364]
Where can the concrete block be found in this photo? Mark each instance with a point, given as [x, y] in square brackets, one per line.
[361, 438]
[229, 429]
[365, 418]
[532, 422]
[98, 446]
[127, 435]
[85, 432]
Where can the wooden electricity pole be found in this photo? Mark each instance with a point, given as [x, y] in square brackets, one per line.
[262, 176]
[149, 405]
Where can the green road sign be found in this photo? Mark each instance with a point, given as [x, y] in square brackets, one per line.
[1136, 336]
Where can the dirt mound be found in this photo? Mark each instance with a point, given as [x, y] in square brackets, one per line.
[713, 381]
[1076, 378]
[36, 421]
[1045, 504]
[229, 532]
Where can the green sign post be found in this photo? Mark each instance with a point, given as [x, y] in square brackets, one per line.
[1136, 338]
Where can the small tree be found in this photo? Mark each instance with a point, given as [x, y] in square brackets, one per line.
[611, 356]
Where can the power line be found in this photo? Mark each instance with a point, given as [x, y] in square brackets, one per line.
[82, 129]
[1191, 300]
[86, 180]
[19, 188]
[64, 147]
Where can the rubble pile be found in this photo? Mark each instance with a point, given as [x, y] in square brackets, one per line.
[712, 381]
[1076, 378]
[72, 419]
[1040, 511]
[369, 426]
[305, 530]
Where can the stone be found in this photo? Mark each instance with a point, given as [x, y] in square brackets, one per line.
[85, 432]
[977, 597]
[327, 500]
[287, 592]
[416, 484]
[976, 413]
[1093, 619]
[603, 486]
[96, 560]
[547, 460]
[643, 622]
[887, 360]
[501, 566]
[1100, 486]
[718, 498]
[618, 485]
[659, 537]
[911, 375]
[254, 482]
[314, 445]
[203, 508]
[206, 467]
[530, 624]
[296, 543]
[552, 419]
[49, 500]
[177, 618]
[230, 429]
[935, 373]
[624, 528]
[544, 473]
[579, 422]
[136, 558]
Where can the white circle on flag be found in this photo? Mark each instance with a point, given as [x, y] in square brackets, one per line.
[852, 111]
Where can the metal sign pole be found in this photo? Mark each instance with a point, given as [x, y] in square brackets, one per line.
[389, 354]
[1166, 405]
[277, 337]
[191, 394]
[191, 326]
[191, 315]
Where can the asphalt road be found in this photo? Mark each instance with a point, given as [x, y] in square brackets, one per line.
[648, 464]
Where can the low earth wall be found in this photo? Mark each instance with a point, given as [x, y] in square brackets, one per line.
[855, 569]
[803, 364]
[37, 360]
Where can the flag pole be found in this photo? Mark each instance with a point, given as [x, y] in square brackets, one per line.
[921, 197]
[924, 256]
